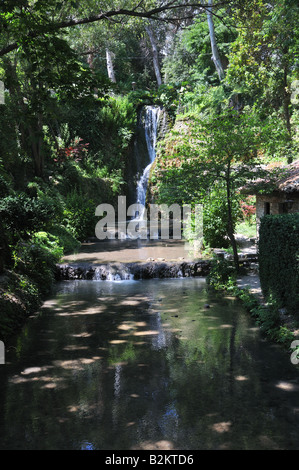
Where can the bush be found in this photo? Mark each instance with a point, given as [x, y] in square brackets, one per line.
[66, 239]
[22, 215]
[222, 275]
[4, 186]
[19, 297]
[80, 215]
[279, 260]
[36, 258]
[215, 217]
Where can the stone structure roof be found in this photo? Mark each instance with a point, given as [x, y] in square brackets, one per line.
[290, 182]
[279, 179]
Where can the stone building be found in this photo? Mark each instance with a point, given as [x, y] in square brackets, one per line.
[282, 196]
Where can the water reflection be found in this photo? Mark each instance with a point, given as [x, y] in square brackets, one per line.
[144, 365]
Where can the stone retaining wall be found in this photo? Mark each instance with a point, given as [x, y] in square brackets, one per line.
[147, 270]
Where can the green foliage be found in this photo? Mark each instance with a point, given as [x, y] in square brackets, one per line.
[222, 275]
[205, 159]
[37, 258]
[21, 215]
[267, 317]
[279, 260]
[79, 215]
[262, 61]
[108, 127]
[66, 238]
[190, 55]
[19, 297]
[215, 217]
[4, 186]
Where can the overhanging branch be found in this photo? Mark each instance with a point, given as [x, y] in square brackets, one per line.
[171, 5]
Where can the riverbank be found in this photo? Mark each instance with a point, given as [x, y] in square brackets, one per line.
[275, 323]
[19, 298]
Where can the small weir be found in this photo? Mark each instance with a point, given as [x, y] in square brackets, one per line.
[130, 271]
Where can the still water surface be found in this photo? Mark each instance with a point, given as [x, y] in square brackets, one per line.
[146, 365]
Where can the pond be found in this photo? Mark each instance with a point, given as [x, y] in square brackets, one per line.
[149, 364]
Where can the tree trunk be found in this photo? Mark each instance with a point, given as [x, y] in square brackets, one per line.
[90, 61]
[31, 134]
[152, 39]
[215, 52]
[110, 68]
[36, 141]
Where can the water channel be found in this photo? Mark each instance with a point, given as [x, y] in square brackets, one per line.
[146, 364]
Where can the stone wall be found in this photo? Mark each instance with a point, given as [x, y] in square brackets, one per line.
[277, 204]
[127, 271]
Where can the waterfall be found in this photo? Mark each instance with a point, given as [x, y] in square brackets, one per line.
[151, 119]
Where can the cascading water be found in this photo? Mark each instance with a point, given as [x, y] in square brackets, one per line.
[151, 119]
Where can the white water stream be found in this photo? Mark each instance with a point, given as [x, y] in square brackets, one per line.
[151, 119]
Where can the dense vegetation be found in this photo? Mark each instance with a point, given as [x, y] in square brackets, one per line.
[76, 73]
[279, 261]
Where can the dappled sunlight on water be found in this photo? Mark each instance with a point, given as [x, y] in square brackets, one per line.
[145, 365]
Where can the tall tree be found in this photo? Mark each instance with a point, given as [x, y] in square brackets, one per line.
[263, 59]
[155, 53]
[215, 53]
[43, 73]
[28, 20]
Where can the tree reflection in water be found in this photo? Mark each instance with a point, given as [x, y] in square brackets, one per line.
[143, 365]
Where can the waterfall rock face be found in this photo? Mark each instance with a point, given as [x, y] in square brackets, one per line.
[153, 123]
[150, 122]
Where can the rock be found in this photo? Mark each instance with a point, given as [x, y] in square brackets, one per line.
[145, 270]
[283, 311]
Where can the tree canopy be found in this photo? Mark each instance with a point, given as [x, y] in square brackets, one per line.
[76, 73]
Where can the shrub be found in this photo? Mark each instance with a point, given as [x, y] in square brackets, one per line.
[4, 186]
[80, 215]
[222, 275]
[215, 217]
[279, 259]
[66, 239]
[22, 215]
[36, 258]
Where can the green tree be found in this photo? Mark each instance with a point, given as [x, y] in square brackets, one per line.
[215, 156]
[43, 74]
[229, 155]
[189, 58]
[262, 64]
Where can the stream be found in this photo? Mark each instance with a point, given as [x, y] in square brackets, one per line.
[146, 364]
